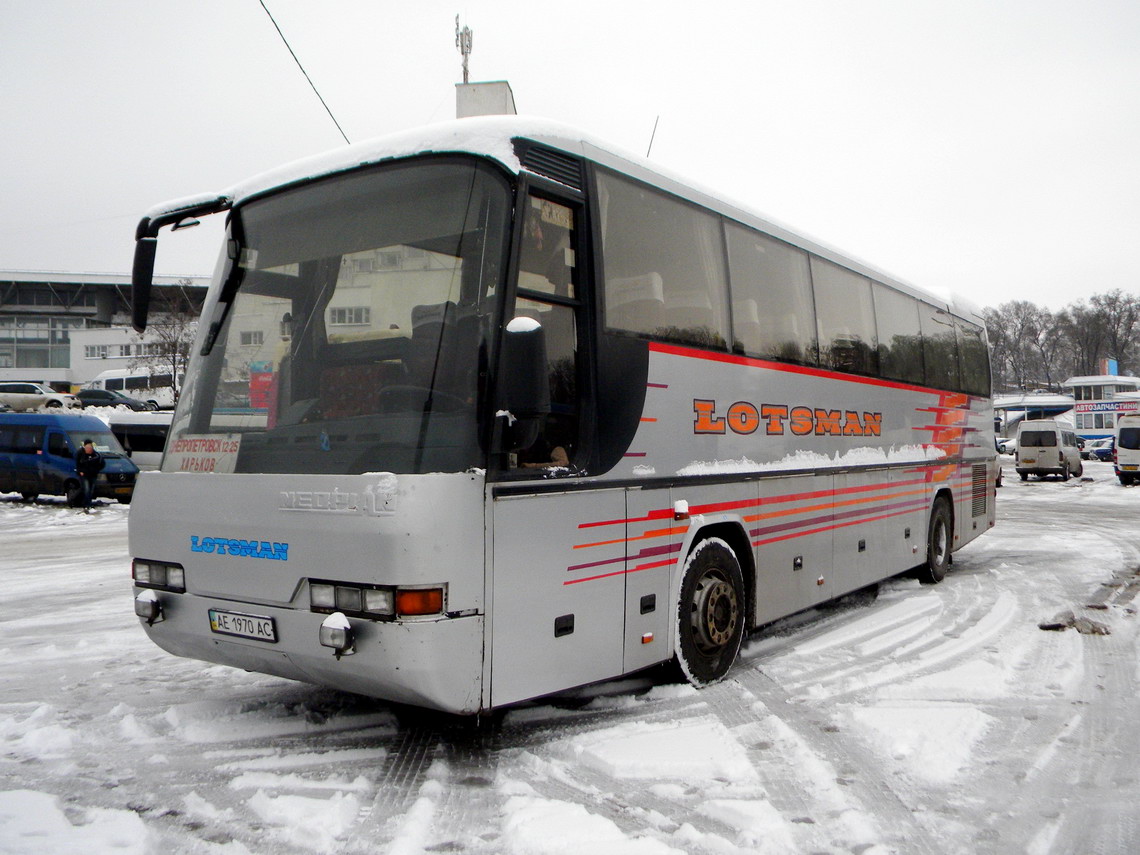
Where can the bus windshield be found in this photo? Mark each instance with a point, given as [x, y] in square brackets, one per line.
[356, 327]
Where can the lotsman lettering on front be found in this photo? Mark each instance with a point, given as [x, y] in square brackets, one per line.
[243, 548]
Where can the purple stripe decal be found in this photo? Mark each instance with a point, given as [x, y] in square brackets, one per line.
[828, 518]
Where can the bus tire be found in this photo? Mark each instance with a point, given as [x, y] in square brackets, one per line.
[29, 495]
[74, 492]
[1065, 471]
[939, 536]
[710, 613]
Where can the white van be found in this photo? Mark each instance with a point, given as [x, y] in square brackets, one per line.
[1046, 447]
[1127, 457]
[154, 389]
[142, 435]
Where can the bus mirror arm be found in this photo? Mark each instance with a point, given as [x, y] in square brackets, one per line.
[146, 248]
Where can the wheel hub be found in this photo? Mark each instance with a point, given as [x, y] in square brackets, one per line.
[716, 612]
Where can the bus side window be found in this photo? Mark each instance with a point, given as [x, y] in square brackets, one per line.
[773, 314]
[665, 266]
[939, 348]
[846, 317]
[900, 336]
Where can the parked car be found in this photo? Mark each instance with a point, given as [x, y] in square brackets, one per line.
[1089, 452]
[1104, 453]
[1006, 444]
[21, 395]
[37, 455]
[107, 398]
[1046, 447]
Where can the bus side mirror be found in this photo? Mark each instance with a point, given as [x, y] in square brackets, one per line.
[525, 385]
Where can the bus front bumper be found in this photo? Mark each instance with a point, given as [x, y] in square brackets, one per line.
[429, 662]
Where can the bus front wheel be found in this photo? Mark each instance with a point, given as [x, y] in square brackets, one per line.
[938, 542]
[710, 612]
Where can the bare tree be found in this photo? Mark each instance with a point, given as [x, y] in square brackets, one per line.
[1047, 341]
[1083, 328]
[1120, 315]
[169, 338]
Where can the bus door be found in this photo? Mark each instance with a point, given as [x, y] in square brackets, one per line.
[557, 588]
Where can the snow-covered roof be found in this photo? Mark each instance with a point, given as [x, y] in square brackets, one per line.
[493, 136]
[1101, 380]
[1031, 401]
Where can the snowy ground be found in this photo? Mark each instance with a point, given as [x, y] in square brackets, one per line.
[926, 719]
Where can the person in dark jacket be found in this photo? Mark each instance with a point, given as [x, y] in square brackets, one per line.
[88, 463]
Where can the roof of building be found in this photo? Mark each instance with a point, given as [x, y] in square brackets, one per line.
[64, 277]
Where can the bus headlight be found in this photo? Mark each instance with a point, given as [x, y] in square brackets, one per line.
[159, 574]
[336, 632]
[372, 602]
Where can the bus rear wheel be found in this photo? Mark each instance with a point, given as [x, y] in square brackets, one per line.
[938, 541]
[710, 613]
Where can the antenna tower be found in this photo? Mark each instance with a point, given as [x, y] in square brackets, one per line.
[463, 40]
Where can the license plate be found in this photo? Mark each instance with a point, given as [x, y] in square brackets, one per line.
[1029, 460]
[1129, 467]
[122, 491]
[243, 626]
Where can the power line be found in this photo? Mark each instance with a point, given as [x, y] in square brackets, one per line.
[318, 94]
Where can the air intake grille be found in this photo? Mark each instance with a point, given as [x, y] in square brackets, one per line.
[980, 490]
[555, 165]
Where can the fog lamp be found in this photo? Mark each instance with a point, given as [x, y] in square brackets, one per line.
[336, 632]
[149, 607]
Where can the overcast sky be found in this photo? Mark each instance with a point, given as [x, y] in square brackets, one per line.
[988, 147]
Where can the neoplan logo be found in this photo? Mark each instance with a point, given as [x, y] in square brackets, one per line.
[745, 418]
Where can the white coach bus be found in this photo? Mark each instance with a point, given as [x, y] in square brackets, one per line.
[489, 410]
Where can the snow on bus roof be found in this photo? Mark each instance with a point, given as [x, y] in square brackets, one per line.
[492, 136]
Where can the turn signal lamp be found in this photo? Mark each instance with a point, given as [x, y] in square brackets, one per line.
[419, 601]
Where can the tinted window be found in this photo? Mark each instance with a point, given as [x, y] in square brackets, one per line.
[846, 315]
[773, 314]
[664, 265]
[1130, 438]
[1037, 439]
[57, 445]
[900, 337]
[27, 440]
[974, 359]
[939, 348]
